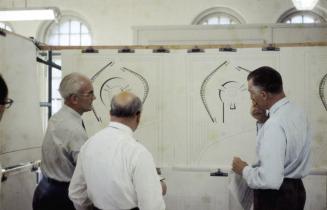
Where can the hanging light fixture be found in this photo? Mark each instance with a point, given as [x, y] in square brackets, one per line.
[305, 4]
[26, 14]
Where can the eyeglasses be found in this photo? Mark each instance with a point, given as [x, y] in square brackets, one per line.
[90, 94]
[7, 102]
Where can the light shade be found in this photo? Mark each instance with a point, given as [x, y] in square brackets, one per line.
[305, 4]
[29, 14]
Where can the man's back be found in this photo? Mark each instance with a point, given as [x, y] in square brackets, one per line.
[62, 141]
[295, 125]
[119, 172]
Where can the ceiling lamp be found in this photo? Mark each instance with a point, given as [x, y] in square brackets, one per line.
[305, 4]
[25, 14]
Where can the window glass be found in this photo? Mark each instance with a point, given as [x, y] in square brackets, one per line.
[294, 16]
[75, 27]
[68, 31]
[218, 16]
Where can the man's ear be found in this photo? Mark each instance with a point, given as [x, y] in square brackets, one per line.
[73, 99]
[138, 117]
[264, 95]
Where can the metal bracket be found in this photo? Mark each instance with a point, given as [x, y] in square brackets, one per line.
[218, 173]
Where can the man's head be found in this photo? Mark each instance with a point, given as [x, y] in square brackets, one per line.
[3, 95]
[126, 108]
[265, 86]
[77, 91]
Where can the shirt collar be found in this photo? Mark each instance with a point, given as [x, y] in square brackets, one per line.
[277, 105]
[71, 111]
[122, 127]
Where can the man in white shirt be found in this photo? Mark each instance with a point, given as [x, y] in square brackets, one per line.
[283, 146]
[62, 142]
[114, 171]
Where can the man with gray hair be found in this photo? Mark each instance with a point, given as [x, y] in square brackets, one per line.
[113, 170]
[62, 142]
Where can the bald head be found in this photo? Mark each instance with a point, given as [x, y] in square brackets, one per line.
[125, 105]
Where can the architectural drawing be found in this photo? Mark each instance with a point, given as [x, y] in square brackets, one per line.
[117, 82]
[323, 90]
[228, 92]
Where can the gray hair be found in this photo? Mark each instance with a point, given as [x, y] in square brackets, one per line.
[129, 106]
[71, 84]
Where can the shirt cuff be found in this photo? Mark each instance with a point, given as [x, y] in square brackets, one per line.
[245, 172]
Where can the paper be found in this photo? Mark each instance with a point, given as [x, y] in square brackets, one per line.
[241, 191]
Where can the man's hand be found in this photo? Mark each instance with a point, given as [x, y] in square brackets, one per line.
[258, 114]
[238, 165]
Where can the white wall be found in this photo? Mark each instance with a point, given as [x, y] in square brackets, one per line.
[111, 20]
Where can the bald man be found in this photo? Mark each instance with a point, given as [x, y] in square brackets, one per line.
[113, 170]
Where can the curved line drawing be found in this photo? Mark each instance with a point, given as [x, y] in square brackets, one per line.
[232, 106]
[92, 79]
[240, 68]
[101, 70]
[322, 86]
[106, 85]
[143, 80]
[203, 89]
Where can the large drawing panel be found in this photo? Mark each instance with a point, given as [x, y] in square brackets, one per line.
[112, 73]
[316, 70]
[220, 124]
[20, 128]
[174, 104]
[196, 105]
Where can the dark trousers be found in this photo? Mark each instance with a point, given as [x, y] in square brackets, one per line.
[290, 196]
[52, 195]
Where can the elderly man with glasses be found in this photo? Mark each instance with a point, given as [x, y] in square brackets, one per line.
[5, 102]
[62, 142]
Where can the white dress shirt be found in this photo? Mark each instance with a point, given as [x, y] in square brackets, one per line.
[62, 142]
[115, 172]
[283, 147]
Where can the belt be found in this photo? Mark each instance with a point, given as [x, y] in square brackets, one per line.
[53, 181]
[95, 208]
[292, 180]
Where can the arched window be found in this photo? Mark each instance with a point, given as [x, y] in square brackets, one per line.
[294, 16]
[218, 16]
[68, 31]
[5, 26]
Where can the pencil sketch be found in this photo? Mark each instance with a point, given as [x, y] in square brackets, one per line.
[228, 91]
[322, 91]
[228, 94]
[203, 90]
[119, 79]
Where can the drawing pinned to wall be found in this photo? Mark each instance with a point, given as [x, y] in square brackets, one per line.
[323, 91]
[111, 87]
[228, 94]
[115, 82]
[101, 70]
[228, 91]
[143, 80]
